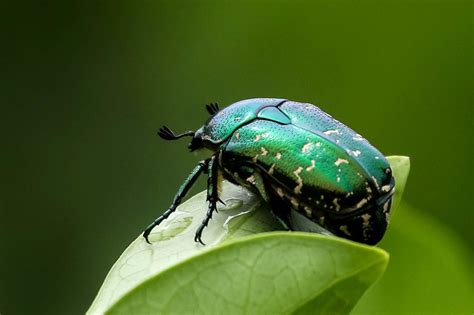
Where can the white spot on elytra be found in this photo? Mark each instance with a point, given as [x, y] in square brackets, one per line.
[299, 180]
[251, 179]
[257, 137]
[294, 202]
[385, 188]
[361, 203]
[366, 217]
[328, 132]
[237, 135]
[306, 147]
[341, 161]
[375, 182]
[264, 152]
[313, 164]
[356, 153]
[318, 144]
[280, 192]
[365, 224]
[344, 229]
[377, 158]
[308, 211]
[336, 204]
[278, 156]
[272, 168]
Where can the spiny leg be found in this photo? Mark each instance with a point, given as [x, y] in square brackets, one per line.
[261, 182]
[183, 189]
[280, 209]
[212, 196]
[277, 208]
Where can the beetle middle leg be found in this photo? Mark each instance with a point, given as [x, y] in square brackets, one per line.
[183, 189]
[212, 196]
[280, 205]
[262, 184]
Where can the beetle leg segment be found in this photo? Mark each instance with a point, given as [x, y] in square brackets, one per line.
[183, 189]
[279, 210]
[212, 195]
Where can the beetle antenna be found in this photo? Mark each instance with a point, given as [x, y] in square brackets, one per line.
[212, 108]
[168, 134]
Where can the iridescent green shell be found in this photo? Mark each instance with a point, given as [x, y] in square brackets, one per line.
[297, 156]
[220, 126]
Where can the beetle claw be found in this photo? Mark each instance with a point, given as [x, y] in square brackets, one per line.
[146, 239]
[145, 235]
[197, 238]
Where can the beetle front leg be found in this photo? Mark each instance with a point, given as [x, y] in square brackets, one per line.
[183, 189]
[212, 196]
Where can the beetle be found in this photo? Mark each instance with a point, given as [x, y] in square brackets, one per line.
[296, 157]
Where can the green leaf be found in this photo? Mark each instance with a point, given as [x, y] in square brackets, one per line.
[430, 269]
[275, 273]
[173, 241]
[400, 168]
[239, 271]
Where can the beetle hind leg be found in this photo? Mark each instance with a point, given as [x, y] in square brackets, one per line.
[280, 205]
[279, 210]
[212, 196]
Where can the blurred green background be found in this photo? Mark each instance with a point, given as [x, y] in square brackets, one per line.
[85, 86]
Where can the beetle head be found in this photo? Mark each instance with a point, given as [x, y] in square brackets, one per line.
[202, 141]
[199, 139]
[196, 142]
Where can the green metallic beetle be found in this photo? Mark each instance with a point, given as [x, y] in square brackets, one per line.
[296, 157]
